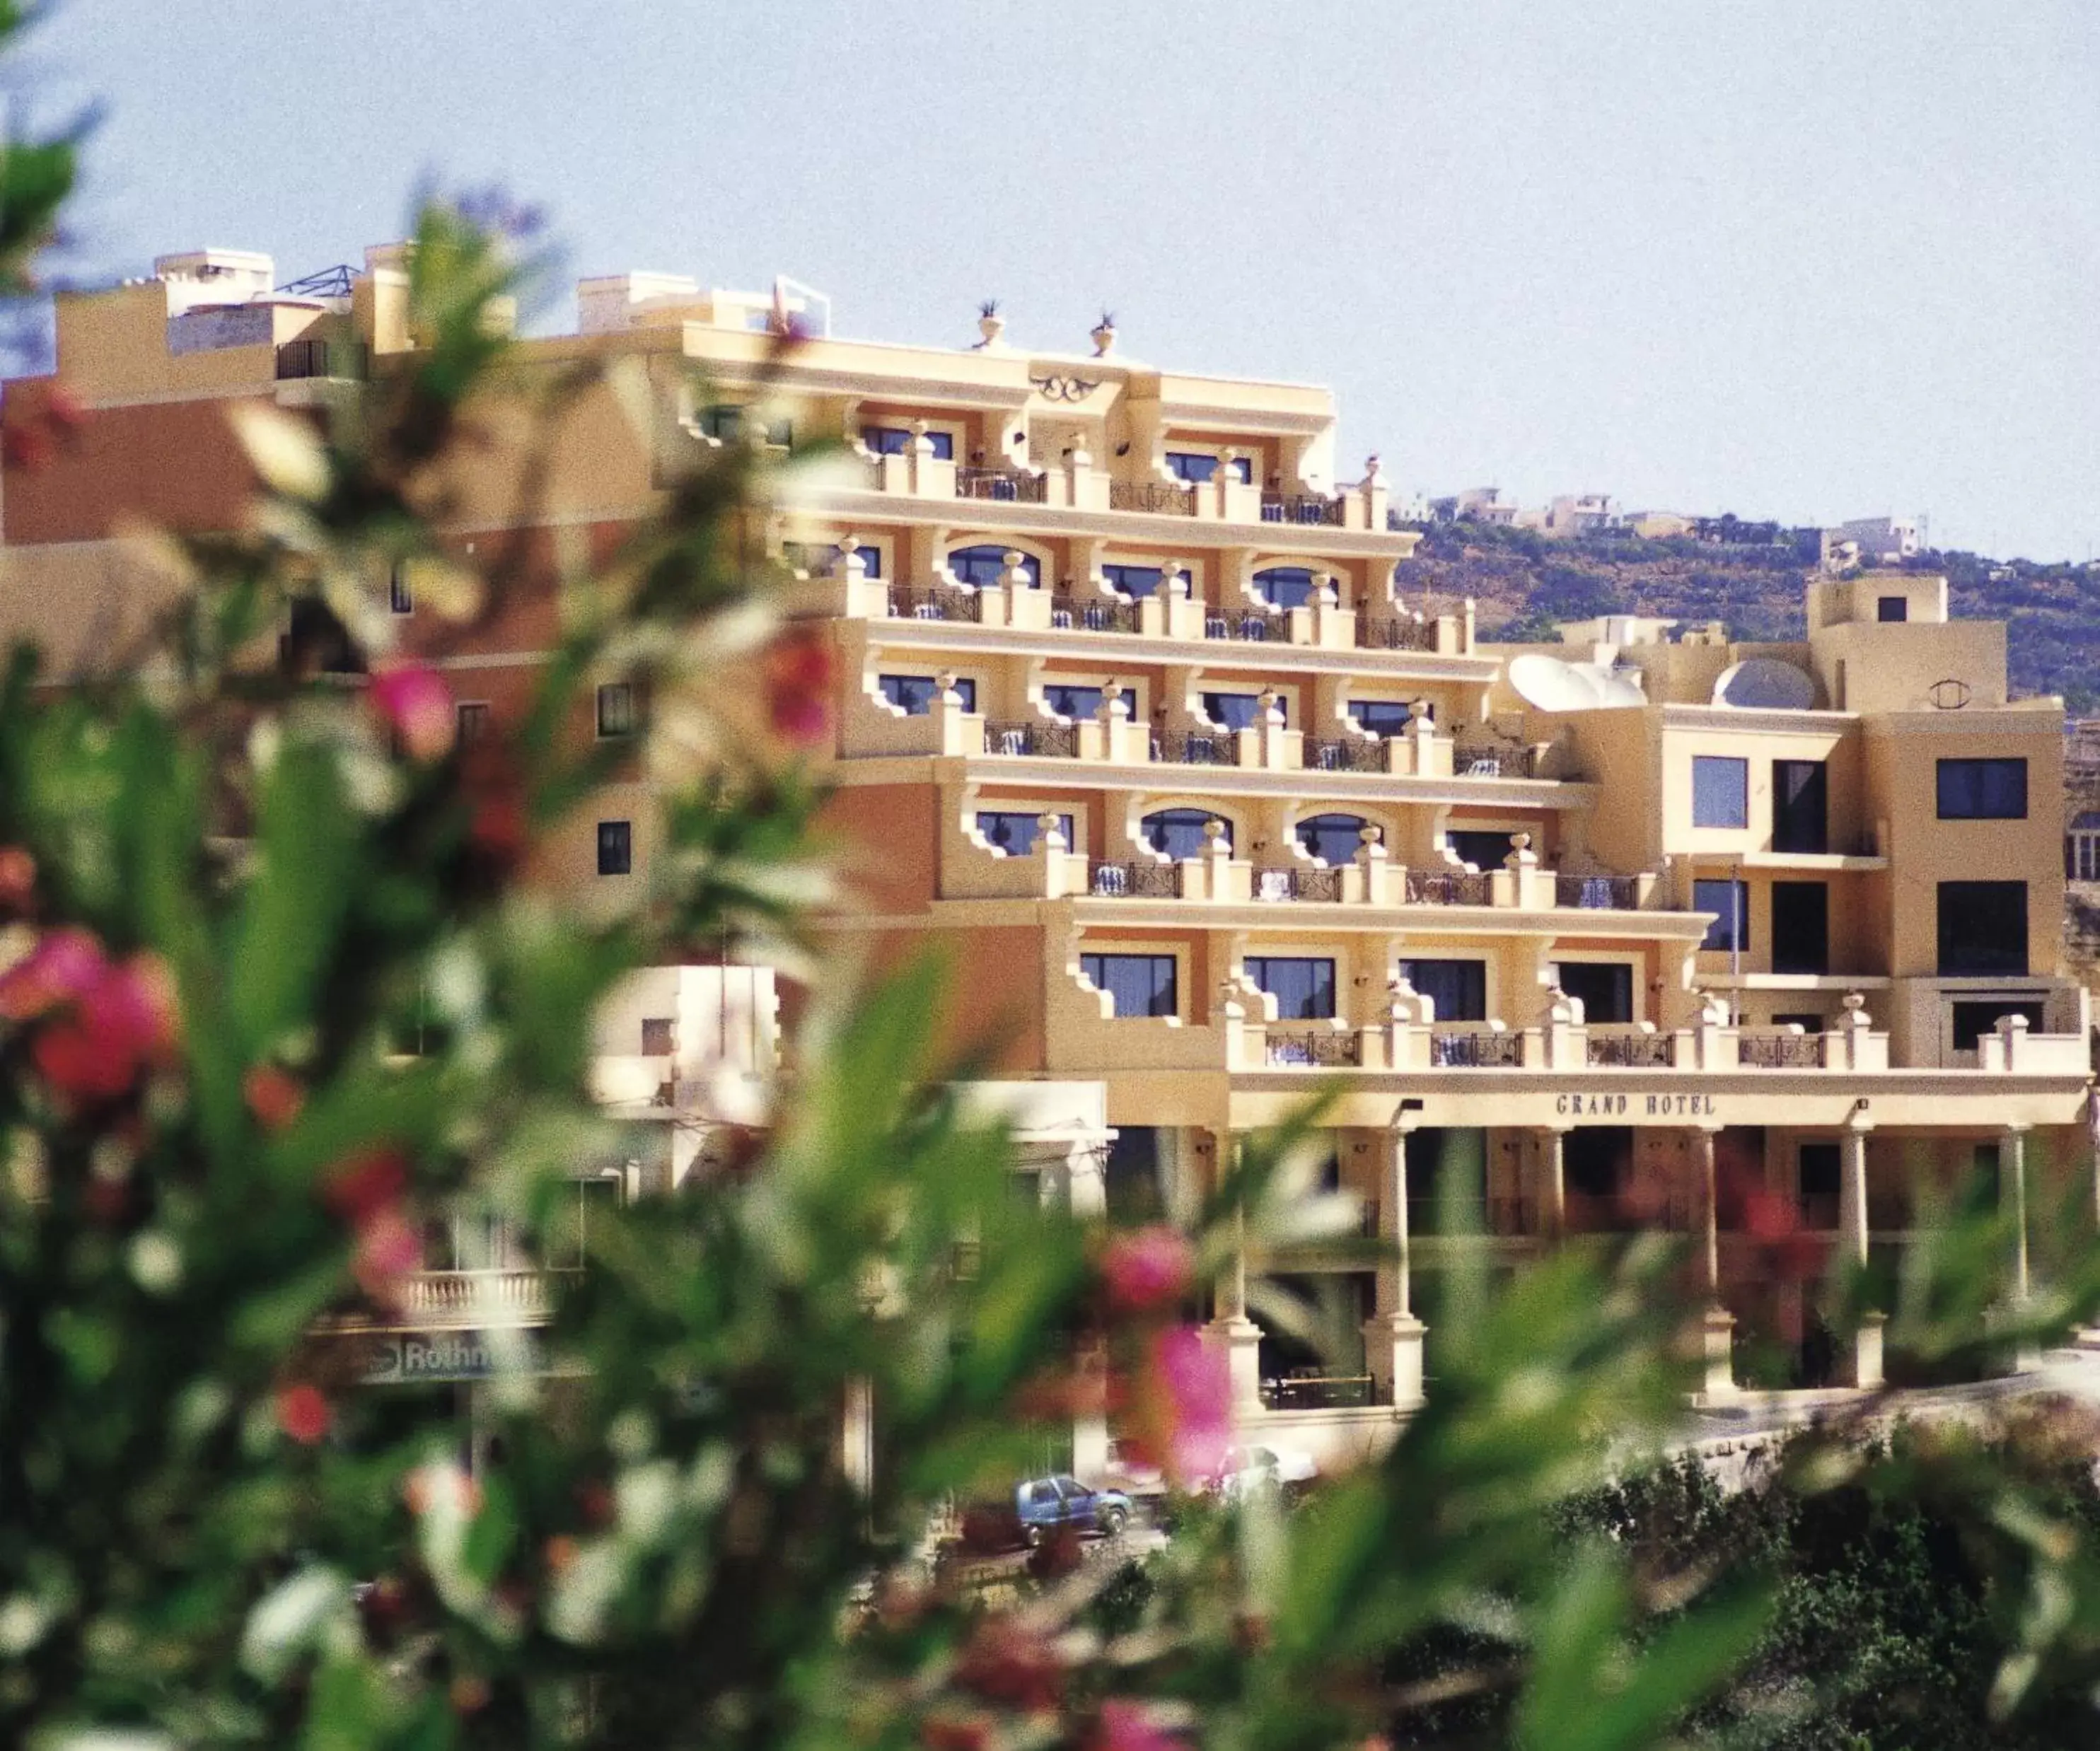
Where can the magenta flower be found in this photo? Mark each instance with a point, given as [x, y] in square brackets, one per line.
[101, 1023]
[59, 970]
[1146, 1270]
[1187, 1403]
[417, 705]
[1131, 1727]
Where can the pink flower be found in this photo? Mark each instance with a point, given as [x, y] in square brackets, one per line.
[1131, 1726]
[361, 1188]
[417, 705]
[1183, 1407]
[18, 879]
[798, 685]
[303, 1413]
[101, 1023]
[1146, 1270]
[388, 1250]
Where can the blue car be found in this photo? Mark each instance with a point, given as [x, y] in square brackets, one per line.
[1045, 1504]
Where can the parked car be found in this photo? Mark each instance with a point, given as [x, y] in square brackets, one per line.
[1132, 1474]
[1041, 1506]
[1245, 1468]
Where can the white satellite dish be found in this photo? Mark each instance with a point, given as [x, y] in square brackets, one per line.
[1625, 685]
[1553, 685]
[1763, 684]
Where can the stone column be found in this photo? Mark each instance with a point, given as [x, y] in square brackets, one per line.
[1717, 1325]
[1393, 1335]
[1231, 1333]
[1553, 1183]
[856, 1436]
[1085, 1179]
[1862, 1362]
[2013, 1201]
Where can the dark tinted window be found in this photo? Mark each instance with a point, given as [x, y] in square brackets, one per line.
[1606, 989]
[913, 694]
[1303, 988]
[1014, 831]
[1982, 790]
[1141, 985]
[1133, 581]
[895, 440]
[1729, 903]
[984, 566]
[1982, 927]
[1178, 833]
[1892, 608]
[1379, 717]
[615, 847]
[1235, 711]
[1069, 700]
[1483, 851]
[1332, 838]
[1973, 1021]
[1800, 927]
[1287, 586]
[1720, 791]
[1801, 793]
[1458, 988]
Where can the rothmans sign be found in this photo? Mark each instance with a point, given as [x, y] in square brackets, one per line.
[404, 1358]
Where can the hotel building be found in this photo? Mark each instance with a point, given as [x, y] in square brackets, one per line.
[1138, 723]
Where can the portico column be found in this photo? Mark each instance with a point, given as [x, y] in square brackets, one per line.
[2013, 1201]
[1086, 1180]
[1863, 1358]
[1553, 1183]
[1393, 1335]
[856, 1436]
[1717, 1325]
[1231, 1332]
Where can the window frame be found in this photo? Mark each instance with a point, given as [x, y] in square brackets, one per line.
[615, 844]
[1901, 604]
[1032, 563]
[965, 684]
[1404, 964]
[600, 714]
[467, 728]
[1033, 817]
[1956, 766]
[1298, 831]
[1333, 993]
[400, 589]
[1176, 957]
[1708, 763]
[1986, 969]
[1404, 707]
[1226, 821]
[1708, 944]
[1625, 964]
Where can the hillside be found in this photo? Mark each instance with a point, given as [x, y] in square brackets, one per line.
[1523, 582]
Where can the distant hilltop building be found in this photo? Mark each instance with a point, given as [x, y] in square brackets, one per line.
[1882, 541]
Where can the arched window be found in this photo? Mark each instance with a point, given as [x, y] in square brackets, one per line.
[1332, 838]
[984, 566]
[1285, 586]
[1178, 833]
[1133, 581]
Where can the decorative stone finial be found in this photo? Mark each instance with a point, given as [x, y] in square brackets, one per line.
[1104, 334]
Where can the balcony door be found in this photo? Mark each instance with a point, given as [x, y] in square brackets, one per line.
[1801, 806]
[1606, 988]
[1801, 926]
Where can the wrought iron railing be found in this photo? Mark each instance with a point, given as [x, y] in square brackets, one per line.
[1044, 740]
[1347, 753]
[1198, 747]
[1092, 613]
[1137, 881]
[1597, 893]
[1780, 1051]
[1395, 633]
[935, 601]
[1456, 887]
[1254, 627]
[1475, 1049]
[1494, 760]
[1317, 1391]
[1322, 1048]
[1155, 496]
[999, 483]
[1288, 883]
[1637, 1052]
[1301, 508]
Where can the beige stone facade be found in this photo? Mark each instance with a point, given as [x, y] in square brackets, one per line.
[1133, 724]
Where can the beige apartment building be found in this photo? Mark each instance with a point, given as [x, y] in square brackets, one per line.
[1134, 723]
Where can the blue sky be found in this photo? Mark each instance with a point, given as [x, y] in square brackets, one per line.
[1791, 259]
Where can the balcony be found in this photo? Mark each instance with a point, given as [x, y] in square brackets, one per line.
[463, 1301]
[1475, 1049]
[1253, 626]
[1449, 888]
[1002, 484]
[1494, 760]
[1310, 882]
[1036, 739]
[1315, 1048]
[1135, 881]
[1636, 1049]
[321, 359]
[1788, 1049]
[1196, 747]
[1353, 753]
[1156, 497]
[1092, 614]
[1302, 507]
[1395, 632]
[1597, 893]
[936, 601]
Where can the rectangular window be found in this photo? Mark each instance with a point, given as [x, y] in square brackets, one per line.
[1982, 928]
[615, 708]
[1800, 927]
[1068, 699]
[1605, 987]
[1141, 985]
[1379, 716]
[1892, 609]
[400, 593]
[1196, 468]
[1014, 831]
[1982, 790]
[1801, 806]
[473, 720]
[913, 694]
[656, 1037]
[1235, 711]
[1304, 989]
[895, 440]
[1458, 988]
[1136, 582]
[1729, 902]
[725, 425]
[1973, 1021]
[1807, 1022]
[615, 848]
[1720, 791]
[1483, 851]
